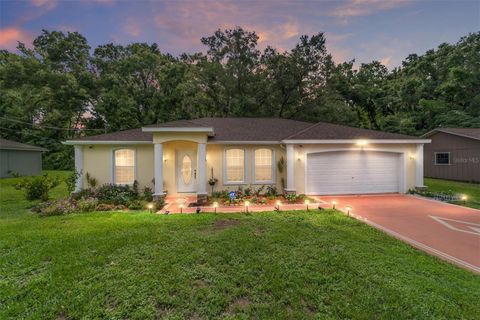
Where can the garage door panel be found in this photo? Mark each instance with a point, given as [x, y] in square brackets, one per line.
[350, 172]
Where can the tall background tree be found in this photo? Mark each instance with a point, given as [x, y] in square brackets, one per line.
[60, 88]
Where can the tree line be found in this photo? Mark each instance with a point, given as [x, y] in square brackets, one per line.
[59, 88]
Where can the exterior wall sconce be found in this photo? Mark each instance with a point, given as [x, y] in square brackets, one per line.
[412, 157]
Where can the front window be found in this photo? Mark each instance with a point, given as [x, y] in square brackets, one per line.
[124, 166]
[442, 158]
[263, 165]
[235, 165]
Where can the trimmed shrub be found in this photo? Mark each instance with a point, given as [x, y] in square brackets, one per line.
[271, 191]
[38, 187]
[83, 194]
[147, 194]
[105, 207]
[87, 204]
[137, 205]
[113, 194]
[58, 208]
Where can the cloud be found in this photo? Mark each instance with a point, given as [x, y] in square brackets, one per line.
[335, 46]
[44, 4]
[105, 2]
[355, 8]
[182, 24]
[132, 28]
[9, 38]
[386, 61]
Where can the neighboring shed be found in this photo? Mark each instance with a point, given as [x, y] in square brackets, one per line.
[19, 158]
[453, 154]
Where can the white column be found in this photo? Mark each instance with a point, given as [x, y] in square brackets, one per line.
[202, 168]
[158, 161]
[79, 167]
[419, 166]
[290, 168]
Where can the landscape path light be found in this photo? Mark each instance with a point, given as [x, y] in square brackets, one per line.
[464, 198]
[307, 202]
[247, 203]
[334, 203]
[181, 207]
[277, 205]
[215, 206]
[348, 210]
[150, 207]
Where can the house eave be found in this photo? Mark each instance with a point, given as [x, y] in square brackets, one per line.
[243, 142]
[91, 142]
[354, 141]
[178, 129]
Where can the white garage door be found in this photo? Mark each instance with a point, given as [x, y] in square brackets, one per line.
[352, 172]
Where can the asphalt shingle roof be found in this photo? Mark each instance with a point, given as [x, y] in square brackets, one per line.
[255, 129]
[13, 145]
[473, 133]
[329, 131]
[125, 135]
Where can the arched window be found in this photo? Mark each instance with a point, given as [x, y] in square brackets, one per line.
[263, 165]
[235, 165]
[124, 166]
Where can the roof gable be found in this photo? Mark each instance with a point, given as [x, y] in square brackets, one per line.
[13, 145]
[472, 133]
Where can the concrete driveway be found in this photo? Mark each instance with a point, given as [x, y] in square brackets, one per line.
[448, 231]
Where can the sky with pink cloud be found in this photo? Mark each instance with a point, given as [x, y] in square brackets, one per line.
[385, 30]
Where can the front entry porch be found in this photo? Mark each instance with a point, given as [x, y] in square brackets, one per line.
[181, 168]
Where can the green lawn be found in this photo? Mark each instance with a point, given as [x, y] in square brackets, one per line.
[471, 190]
[288, 265]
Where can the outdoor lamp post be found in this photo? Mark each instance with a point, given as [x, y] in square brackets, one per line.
[348, 210]
[247, 203]
[278, 203]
